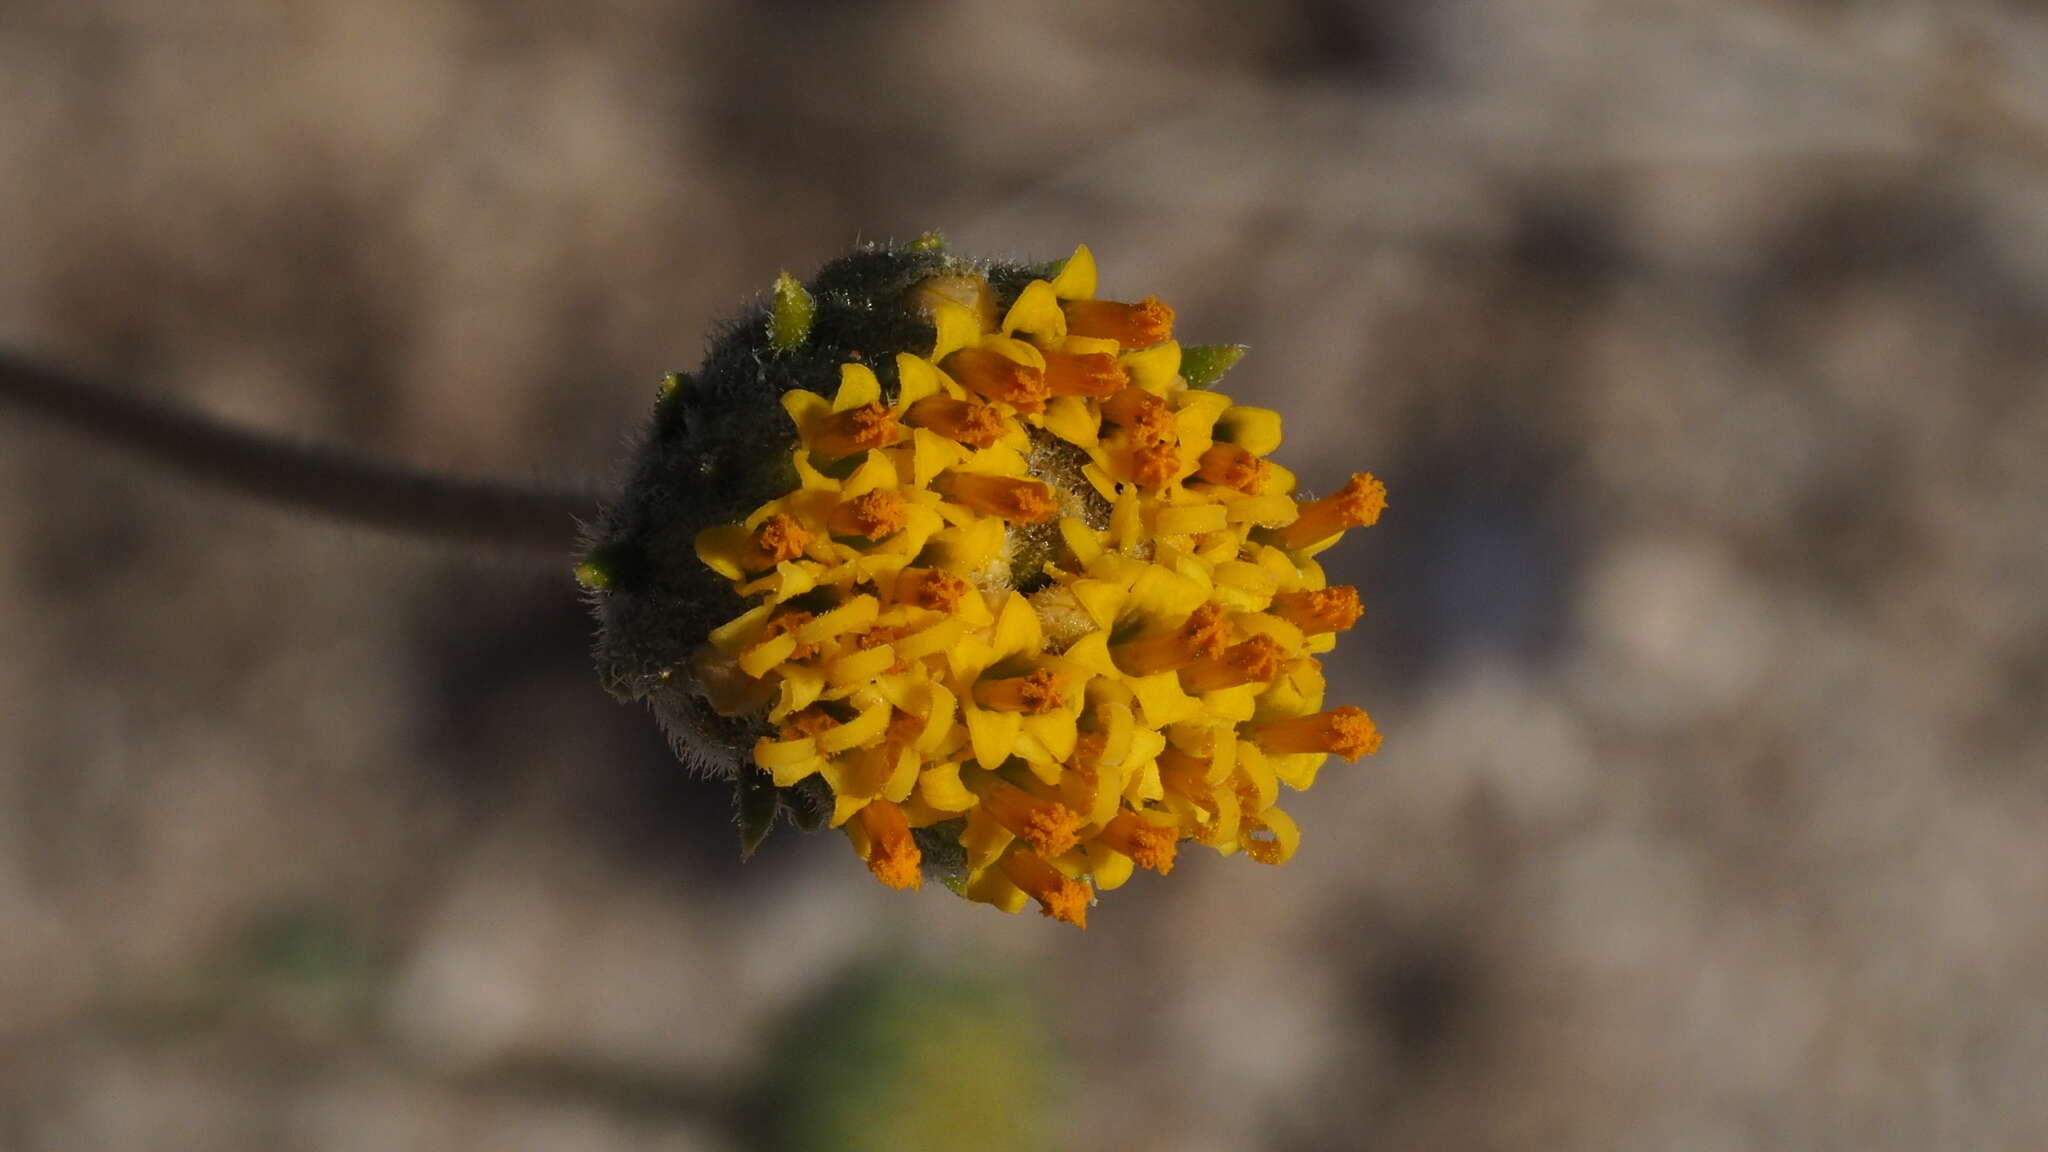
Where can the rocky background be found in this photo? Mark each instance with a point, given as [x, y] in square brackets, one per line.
[1702, 347]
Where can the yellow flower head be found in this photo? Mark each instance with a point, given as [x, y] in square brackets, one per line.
[1000, 585]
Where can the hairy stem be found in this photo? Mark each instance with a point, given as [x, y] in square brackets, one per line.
[302, 476]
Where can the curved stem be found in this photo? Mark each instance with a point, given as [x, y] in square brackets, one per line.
[304, 476]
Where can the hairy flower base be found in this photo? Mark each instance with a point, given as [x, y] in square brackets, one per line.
[1038, 596]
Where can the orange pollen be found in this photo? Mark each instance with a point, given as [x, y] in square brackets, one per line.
[892, 852]
[1040, 691]
[975, 425]
[1258, 842]
[1088, 749]
[790, 622]
[904, 728]
[1139, 325]
[1332, 609]
[995, 377]
[876, 637]
[1184, 773]
[1347, 731]
[1022, 501]
[1356, 505]
[1155, 465]
[1051, 828]
[809, 722]
[780, 538]
[1205, 634]
[871, 515]
[1229, 466]
[932, 588]
[1257, 660]
[855, 430]
[1095, 374]
[1142, 415]
[1147, 844]
[1059, 896]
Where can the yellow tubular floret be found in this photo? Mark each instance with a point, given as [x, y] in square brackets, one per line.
[1068, 702]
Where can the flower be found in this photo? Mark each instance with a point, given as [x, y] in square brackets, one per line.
[1013, 603]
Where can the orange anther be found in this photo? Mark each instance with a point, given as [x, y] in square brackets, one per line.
[995, 377]
[1356, 505]
[1348, 732]
[1095, 374]
[975, 425]
[1139, 325]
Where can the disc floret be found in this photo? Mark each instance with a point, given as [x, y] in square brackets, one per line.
[1028, 599]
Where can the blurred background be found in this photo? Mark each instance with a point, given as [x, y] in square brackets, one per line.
[1700, 345]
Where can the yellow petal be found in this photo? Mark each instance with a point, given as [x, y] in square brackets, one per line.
[1119, 726]
[1091, 652]
[1253, 766]
[1014, 349]
[809, 479]
[1161, 591]
[957, 328]
[758, 660]
[1104, 485]
[1298, 770]
[861, 666]
[1037, 759]
[863, 729]
[721, 548]
[736, 633]
[775, 754]
[1076, 279]
[1126, 521]
[967, 658]
[844, 807]
[940, 787]
[856, 615]
[875, 471]
[933, 640]
[1017, 629]
[1189, 520]
[1056, 732]
[1256, 430]
[1143, 784]
[1037, 311]
[1161, 700]
[993, 734]
[1101, 599]
[916, 379]
[1071, 419]
[983, 837]
[938, 721]
[1155, 369]
[805, 408]
[800, 688]
[1090, 346]
[1084, 542]
[1107, 867]
[858, 388]
[1272, 838]
[932, 454]
[1246, 576]
[989, 886]
[903, 780]
[1233, 705]
[1271, 510]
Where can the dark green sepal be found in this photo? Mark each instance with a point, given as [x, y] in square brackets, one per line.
[944, 858]
[790, 315]
[1202, 365]
[757, 802]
